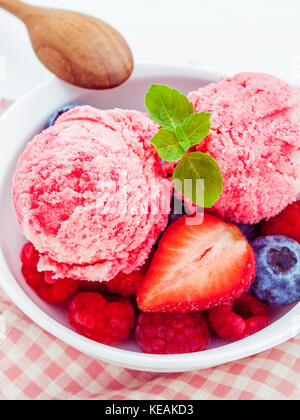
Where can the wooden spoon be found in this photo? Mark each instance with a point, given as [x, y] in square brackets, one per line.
[77, 48]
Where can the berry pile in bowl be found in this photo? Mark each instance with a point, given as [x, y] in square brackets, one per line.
[132, 251]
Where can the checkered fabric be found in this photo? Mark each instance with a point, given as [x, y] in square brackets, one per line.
[36, 365]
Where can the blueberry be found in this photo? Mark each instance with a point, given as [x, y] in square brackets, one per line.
[277, 281]
[178, 209]
[249, 231]
[59, 112]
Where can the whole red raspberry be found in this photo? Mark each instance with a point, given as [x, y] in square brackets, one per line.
[29, 255]
[101, 320]
[287, 223]
[48, 289]
[159, 333]
[92, 286]
[126, 285]
[33, 278]
[238, 320]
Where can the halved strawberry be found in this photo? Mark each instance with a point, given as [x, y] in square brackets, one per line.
[197, 267]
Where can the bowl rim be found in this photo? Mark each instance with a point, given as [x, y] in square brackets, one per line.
[280, 331]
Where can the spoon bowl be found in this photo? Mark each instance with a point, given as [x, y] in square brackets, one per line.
[79, 49]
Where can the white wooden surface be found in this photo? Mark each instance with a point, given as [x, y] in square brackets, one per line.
[225, 35]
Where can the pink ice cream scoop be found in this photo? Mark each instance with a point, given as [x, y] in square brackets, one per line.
[255, 138]
[91, 195]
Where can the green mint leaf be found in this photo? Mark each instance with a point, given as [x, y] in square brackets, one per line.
[167, 146]
[197, 176]
[184, 142]
[199, 166]
[167, 106]
[197, 127]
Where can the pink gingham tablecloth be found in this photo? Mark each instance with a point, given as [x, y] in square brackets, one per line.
[36, 365]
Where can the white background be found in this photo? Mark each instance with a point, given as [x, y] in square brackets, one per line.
[225, 35]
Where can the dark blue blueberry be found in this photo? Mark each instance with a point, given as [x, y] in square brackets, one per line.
[249, 231]
[277, 281]
[178, 209]
[59, 112]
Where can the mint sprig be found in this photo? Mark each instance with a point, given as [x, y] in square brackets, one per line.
[181, 130]
[167, 107]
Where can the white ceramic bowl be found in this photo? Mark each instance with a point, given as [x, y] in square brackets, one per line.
[26, 118]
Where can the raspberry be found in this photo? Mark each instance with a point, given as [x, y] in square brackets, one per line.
[92, 286]
[287, 223]
[47, 288]
[159, 333]
[126, 285]
[33, 278]
[29, 255]
[101, 320]
[238, 320]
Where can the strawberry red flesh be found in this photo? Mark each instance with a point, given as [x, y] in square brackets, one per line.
[197, 267]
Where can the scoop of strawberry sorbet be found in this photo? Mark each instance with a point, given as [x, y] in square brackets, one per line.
[255, 138]
[91, 195]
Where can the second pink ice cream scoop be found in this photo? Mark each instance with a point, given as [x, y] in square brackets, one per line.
[255, 138]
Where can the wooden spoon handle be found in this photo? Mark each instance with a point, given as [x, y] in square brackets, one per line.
[16, 7]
